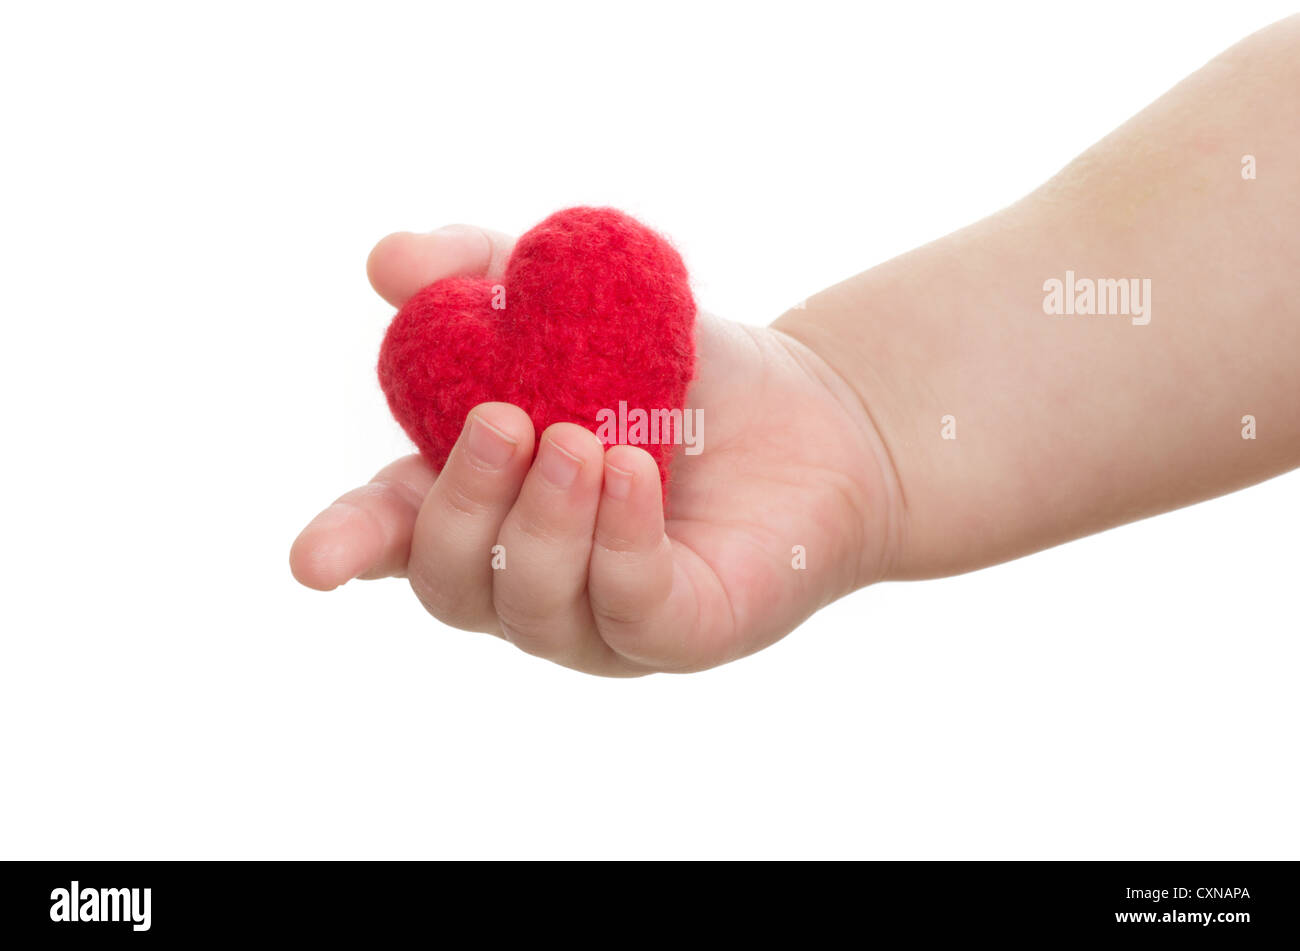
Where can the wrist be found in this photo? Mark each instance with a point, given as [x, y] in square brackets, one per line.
[879, 507]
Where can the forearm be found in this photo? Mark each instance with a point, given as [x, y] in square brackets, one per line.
[1066, 425]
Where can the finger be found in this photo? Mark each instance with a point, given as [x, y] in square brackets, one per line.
[403, 263]
[642, 603]
[367, 532]
[451, 550]
[540, 589]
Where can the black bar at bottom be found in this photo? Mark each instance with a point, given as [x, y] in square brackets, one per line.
[369, 902]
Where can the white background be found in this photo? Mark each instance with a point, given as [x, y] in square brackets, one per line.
[187, 197]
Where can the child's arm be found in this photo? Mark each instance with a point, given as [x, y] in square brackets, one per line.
[1066, 425]
[824, 466]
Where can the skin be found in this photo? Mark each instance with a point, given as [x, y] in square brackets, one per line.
[824, 429]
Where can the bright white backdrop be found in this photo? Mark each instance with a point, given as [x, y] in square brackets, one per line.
[187, 197]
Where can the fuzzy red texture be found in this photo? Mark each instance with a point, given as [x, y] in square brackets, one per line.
[598, 309]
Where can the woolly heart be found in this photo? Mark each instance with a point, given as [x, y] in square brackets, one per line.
[595, 311]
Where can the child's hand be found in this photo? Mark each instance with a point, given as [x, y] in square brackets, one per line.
[594, 577]
[1071, 421]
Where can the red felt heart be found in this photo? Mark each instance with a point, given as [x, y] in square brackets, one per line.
[594, 311]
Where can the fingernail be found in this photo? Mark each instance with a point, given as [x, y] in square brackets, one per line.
[558, 466]
[488, 445]
[618, 484]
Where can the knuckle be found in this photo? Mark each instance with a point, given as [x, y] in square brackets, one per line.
[451, 602]
[619, 606]
[615, 544]
[532, 636]
[527, 622]
[400, 492]
[535, 527]
[541, 618]
[626, 586]
[462, 498]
